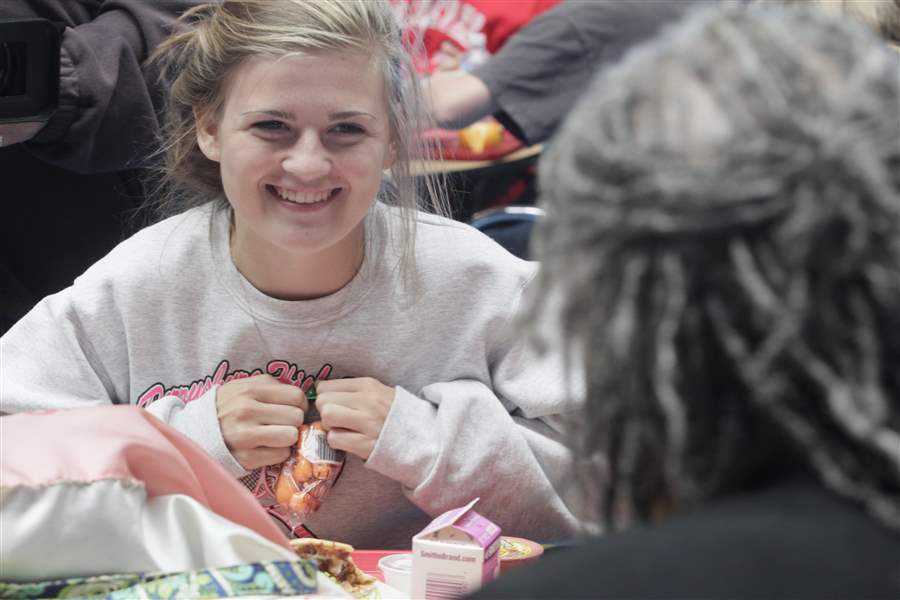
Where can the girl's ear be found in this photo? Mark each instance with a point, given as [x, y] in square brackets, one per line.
[207, 135]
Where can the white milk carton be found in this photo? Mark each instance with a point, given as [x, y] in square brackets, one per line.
[455, 555]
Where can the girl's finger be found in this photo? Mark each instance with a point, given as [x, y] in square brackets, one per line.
[338, 416]
[274, 436]
[347, 384]
[280, 393]
[350, 441]
[261, 457]
[348, 399]
[277, 414]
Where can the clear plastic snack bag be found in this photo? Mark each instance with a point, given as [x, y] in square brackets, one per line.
[305, 478]
[293, 490]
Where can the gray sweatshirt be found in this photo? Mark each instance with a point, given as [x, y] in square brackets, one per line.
[165, 318]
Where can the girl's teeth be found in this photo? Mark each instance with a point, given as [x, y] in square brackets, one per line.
[300, 198]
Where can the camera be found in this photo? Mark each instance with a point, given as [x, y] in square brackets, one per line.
[29, 77]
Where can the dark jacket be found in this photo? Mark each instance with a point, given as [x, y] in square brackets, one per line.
[69, 193]
[108, 99]
[792, 540]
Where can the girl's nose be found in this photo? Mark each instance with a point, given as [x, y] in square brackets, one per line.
[307, 159]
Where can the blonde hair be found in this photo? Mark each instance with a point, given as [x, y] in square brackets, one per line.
[214, 38]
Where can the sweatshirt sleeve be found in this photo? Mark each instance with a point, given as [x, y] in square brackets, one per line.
[455, 440]
[56, 358]
[198, 421]
[50, 362]
[108, 97]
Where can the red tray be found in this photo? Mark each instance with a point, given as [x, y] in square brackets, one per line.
[453, 149]
[367, 560]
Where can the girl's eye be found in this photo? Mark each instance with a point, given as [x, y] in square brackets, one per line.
[271, 126]
[347, 129]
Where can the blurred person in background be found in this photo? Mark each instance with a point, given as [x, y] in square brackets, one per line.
[722, 235]
[457, 36]
[881, 15]
[532, 82]
[71, 190]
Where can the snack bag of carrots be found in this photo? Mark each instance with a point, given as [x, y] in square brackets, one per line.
[308, 474]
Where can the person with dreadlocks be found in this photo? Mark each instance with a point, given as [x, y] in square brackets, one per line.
[883, 16]
[722, 244]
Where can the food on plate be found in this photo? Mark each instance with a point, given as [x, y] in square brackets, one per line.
[481, 136]
[454, 144]
[334, 559]
[516, 552]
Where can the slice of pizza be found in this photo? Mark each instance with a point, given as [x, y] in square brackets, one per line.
[334, 559]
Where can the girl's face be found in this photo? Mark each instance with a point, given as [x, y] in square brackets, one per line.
[302, 142]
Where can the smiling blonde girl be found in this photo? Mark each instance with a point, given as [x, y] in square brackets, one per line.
[289, 263]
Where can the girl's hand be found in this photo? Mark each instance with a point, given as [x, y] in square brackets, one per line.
[259, 417]
[353, 412]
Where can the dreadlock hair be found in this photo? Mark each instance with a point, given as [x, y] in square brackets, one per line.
[722, 236]
[881, 15]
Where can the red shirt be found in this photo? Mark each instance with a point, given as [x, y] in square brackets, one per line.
[436, 21]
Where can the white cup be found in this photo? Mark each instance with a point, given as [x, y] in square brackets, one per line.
[397, 571]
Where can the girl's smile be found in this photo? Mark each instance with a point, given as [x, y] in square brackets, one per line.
[309, 198]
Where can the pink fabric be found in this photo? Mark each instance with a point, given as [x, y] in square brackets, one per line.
[128, 443]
